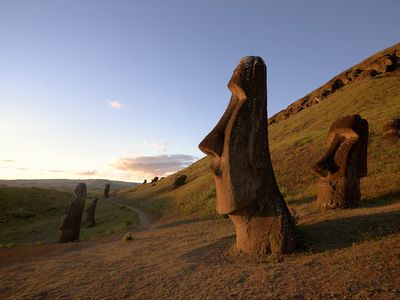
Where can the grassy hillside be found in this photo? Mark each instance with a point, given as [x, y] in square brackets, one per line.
[32, 215]
[295, 143]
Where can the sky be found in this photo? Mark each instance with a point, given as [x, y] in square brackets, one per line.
[126, 90]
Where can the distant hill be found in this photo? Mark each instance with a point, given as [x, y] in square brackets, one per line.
[67, 184]
[297, 139]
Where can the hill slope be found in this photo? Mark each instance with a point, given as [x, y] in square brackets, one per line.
[296, 143]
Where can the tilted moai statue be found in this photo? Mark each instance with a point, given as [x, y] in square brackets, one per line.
[90, 221]
[244, 178]
[343, 164]
[71, 220]
[107, 190]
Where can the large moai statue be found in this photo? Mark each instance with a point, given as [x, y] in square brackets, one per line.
[244, 178]
[343, 164]
[90, 221]
[70, 226]
[107, 191]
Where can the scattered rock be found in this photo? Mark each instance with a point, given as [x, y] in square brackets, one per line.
[70, 226]
[127, 237]
[244, 178]
[342, 165]
[392, 129]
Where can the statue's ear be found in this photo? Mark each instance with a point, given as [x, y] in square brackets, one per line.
[258, 141]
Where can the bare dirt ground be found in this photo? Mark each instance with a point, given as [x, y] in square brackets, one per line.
[195, 260]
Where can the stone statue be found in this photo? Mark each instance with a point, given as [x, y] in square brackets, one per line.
[155, 179]
[107, 191]
[244, 178]
[145, 181]
[90, 222]
[70, 226]
[179, 181]
[343, 163]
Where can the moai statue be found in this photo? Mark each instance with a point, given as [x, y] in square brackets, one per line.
[107, 191]
[90, 222]
[244, 178]
[70, 226]
[155, 179]
[343, 164]
[145, 181]
[179, 181]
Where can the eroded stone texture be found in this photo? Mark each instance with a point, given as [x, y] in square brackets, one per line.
[107, 190]
[343, 164]
[244, 178]
[70, 226]
[90, 221]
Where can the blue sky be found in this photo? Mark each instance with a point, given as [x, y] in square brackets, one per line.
[127, 89]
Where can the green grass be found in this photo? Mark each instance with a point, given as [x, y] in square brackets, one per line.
[32, 216]
[295, 145]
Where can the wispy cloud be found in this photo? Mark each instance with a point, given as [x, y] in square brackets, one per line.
[91, 172]
[158, 146]
[115, 104]
[159, 165]
[56, 171]
[8, 160]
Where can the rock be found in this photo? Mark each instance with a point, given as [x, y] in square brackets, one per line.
[392, 129]
[242, 169]
[342, 165]
[90, 221]
[107, 190]
[70, 226]
[179, 181]
[145, 181]
[155, 179]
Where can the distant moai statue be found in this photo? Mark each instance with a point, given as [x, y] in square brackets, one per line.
[343, 164]
[70, 226]
[145, 181]
[90, 221]
[107, 190]
[179, 181]
[155, 179]
[245, 181]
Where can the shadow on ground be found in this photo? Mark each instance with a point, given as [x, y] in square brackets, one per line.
[183, 222]
[342, 233]
[388, 199]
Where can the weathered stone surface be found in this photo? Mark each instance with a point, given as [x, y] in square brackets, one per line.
[244, 178]
[155, 179]
[107, 190]
[342, 165]
[90, 221]
[179, 181]
[70, 226]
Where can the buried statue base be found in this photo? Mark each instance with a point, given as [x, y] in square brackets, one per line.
[245, 183]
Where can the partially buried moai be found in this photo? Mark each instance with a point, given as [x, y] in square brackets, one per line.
[244, 178]
[90, 221]
[70, 226]
[343, 164]
[107, 190]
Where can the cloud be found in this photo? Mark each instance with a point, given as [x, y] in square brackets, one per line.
[56, 171]
[115, 104]
[7, 160]
[158, 146]
[159, 165]
[92, 172]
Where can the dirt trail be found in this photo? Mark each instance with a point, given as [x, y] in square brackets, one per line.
[144, 221]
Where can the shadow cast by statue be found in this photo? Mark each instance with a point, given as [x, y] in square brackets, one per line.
[387, 199]
[342, 233]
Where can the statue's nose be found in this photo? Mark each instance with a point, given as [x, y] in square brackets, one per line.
[213, 144]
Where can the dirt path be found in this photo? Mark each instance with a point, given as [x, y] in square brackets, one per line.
[144, 221]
